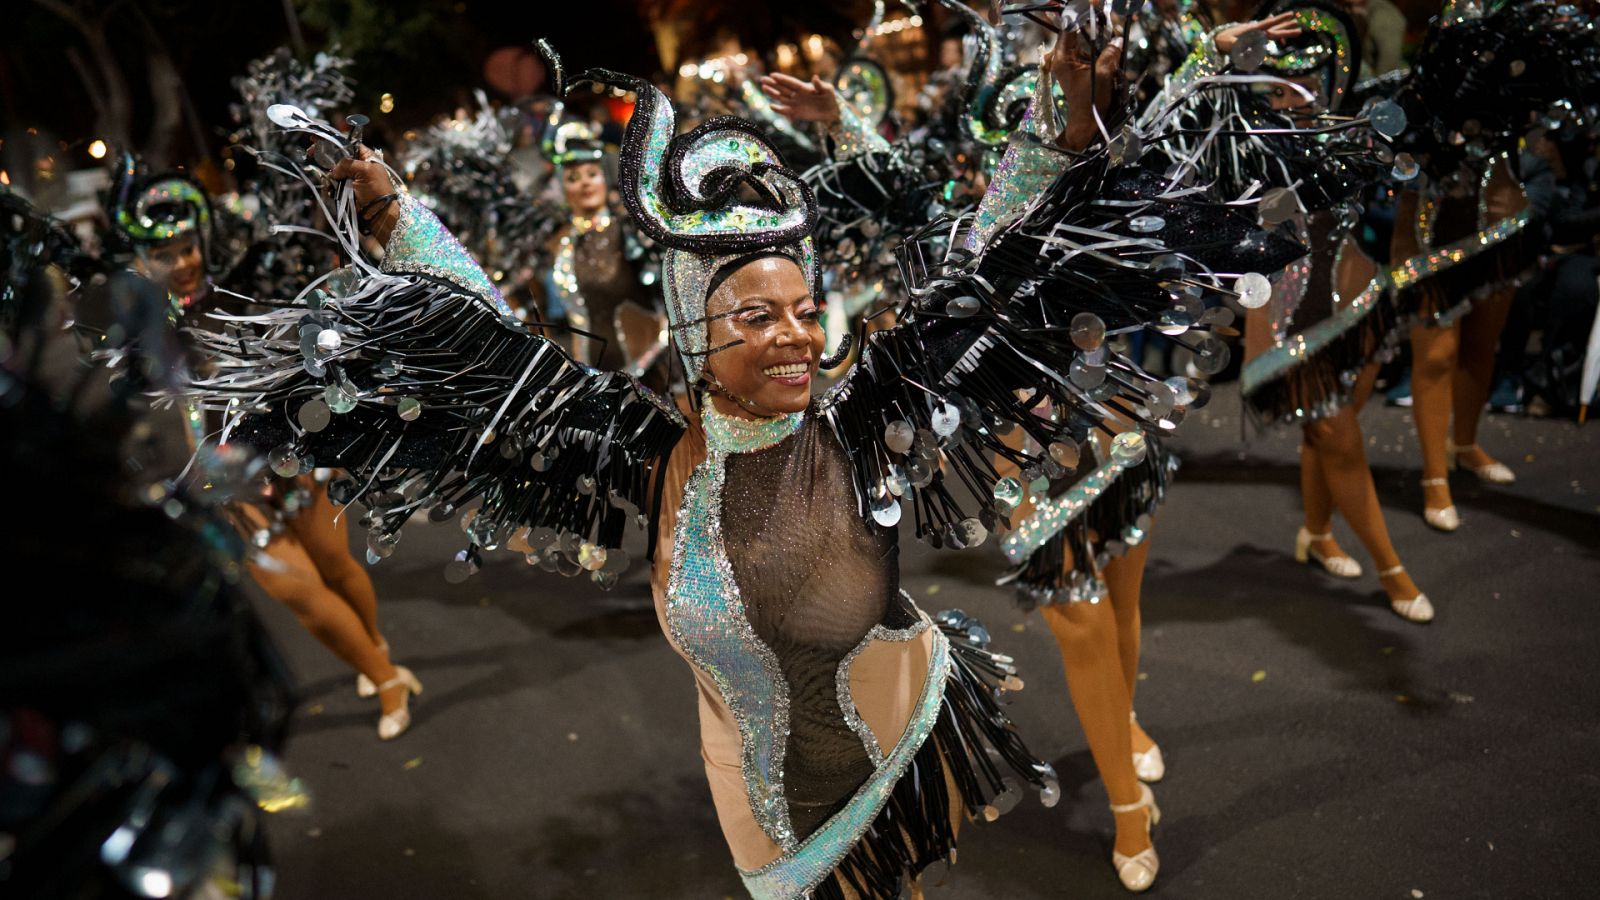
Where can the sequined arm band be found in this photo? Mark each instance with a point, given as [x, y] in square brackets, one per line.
[852, 136]
[421, 245]
[1030, 164]
[1204, 61]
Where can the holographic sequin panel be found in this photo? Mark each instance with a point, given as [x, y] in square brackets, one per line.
[420, 244]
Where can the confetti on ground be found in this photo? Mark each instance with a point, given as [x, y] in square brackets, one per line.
[1401, 698]
[314, 709]
[412, 763]
[1416, 893]
[1386, 650]
[933, 589]
[410, 852]
[1020, 627]
[1259, 676]
[1145, 676]
[572, 736]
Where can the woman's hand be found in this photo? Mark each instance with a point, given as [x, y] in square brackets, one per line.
[801, 101]
[374, 192]
[1277, 28]
[1090, 81]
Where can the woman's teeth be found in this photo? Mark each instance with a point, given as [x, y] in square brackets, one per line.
[789, 370]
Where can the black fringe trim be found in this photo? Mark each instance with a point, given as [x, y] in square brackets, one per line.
[1447, 295]
[974, 746]
[1320, 384]
[1100, 533]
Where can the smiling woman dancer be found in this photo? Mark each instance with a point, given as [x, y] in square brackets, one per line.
[844, 731]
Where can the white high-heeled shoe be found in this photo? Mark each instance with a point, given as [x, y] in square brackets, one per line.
[1446, 519]
[364, 686]
[1149, 766]
[393, 724]
[1138, 872]
[1337, 566]
[1417, 609]
[1495, 473]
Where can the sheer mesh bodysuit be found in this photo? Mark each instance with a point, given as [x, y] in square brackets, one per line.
[814, 579]
[606, 279]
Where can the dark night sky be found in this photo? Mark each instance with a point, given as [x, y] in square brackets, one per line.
[211, 41]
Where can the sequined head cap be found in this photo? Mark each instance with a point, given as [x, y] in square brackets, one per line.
[572, 142]
[150, 211]
[710, 195]
[1325, 47]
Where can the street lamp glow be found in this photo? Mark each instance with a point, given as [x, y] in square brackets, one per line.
[97, 149]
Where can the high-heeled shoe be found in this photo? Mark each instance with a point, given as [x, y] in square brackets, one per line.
[364, 685]
[1417, 609]
[393, 724]
[1138, 872]
[1446, 519]
[1495, 472]
[1149, 766]
[1337, 566]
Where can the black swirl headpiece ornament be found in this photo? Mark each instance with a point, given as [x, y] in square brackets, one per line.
[152, 210]
[710, 196]
[1326, 47]
[565, 142]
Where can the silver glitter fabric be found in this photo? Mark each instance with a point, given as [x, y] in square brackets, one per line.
[1029, 165]
[707, 621]
[421, 245]
[853, 135]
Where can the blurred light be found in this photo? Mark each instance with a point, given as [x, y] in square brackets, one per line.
[689, 70]
[97, 149]
[5, 177]
[386, 103]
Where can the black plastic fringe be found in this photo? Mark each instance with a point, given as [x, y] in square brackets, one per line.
[1050, 572]
[1320, 385]
[1449, 294]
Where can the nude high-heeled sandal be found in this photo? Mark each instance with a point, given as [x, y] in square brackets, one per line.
[393, 724]
[1337, 566]
[1494, 473]
[1149, 766]
[1446, 519]
[1417, 609]
[1138, 872]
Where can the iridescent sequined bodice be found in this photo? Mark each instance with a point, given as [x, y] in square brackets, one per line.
[776, 579]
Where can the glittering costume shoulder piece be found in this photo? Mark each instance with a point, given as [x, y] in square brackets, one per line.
[421, 245]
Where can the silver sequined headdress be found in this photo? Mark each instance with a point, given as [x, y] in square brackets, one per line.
[710, 196]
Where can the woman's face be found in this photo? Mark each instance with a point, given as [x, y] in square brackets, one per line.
[175, 265]
[585, 186]
[767, 304]
[1297, 103]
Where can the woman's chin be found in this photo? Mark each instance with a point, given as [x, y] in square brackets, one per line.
[784, 398]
